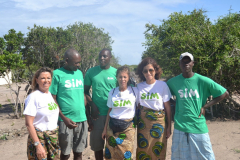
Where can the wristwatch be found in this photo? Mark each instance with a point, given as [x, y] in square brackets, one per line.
[36, 144]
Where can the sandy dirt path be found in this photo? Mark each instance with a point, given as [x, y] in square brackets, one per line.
[225, 138]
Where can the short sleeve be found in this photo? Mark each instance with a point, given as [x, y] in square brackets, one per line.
[54, 86]
[216, 89]
[109, 101]
[30, 106]
[166, 95]
[169, 86]
[136, 95]
[87, 79]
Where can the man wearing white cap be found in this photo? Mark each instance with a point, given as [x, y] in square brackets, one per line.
[190, 137]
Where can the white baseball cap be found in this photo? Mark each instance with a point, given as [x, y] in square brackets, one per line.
[186, 54]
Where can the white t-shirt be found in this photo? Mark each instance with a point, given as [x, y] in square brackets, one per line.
[43, 107]
[153, 95]
[122, 103]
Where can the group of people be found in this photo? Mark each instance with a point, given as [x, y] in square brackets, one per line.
[61, 110]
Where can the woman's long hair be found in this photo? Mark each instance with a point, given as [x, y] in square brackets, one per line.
[124, 69]
[36, 75]
[145, 62]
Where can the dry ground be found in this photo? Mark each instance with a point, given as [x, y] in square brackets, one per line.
[225, 136]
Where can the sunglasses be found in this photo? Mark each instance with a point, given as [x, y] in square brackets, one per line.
[150, 71]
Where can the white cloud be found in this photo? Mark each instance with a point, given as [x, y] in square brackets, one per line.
[139, 9]
[173, 2]
[44, 4]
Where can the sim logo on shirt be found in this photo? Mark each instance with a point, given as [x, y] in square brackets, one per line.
[188, 93]
[122, 103]
[149, 96]
[110, 78]
[52, 106]
[73, 83]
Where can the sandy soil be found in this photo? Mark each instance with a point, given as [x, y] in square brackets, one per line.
[225, 136]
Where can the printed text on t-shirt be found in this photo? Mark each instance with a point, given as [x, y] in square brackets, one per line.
[122, 103]
[52, 106]
[149, 96]
[188, 93]
[110, 78]
[73, 84]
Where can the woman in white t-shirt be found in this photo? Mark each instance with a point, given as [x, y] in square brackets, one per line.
[119, 131]
[41, 116]
[154, 96]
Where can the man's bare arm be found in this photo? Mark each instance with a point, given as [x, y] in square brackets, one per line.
[68, 122]
[89, 120]
[167, 109]
[212, 102]
[94, 109]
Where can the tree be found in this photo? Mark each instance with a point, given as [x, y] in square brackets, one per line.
[45, 46]
[89, 40]
[216, 47]
[2, 45]
[10, 55]
[228, 65]
[11, 60]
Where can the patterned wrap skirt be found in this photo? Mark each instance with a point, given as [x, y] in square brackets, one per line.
[120, 145]
[151, 135]
[49, 141]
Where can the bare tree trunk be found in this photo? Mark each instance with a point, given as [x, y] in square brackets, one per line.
[16, 104]
[25, 96]
[30, 70]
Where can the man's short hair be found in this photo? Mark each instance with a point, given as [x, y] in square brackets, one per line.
[105, 49]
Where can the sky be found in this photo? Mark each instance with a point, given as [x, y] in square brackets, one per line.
[124, 20]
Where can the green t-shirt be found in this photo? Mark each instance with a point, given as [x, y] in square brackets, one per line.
[69, 88]
[191, 95]
[102, 81]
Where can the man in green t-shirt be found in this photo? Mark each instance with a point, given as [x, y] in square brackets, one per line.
[190, 137]
[67, 89]
[102, 78]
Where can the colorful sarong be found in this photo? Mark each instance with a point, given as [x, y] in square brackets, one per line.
[49, 141]
[120, 145]
[151, 135]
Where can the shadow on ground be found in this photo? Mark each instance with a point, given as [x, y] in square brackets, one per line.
[8, 108]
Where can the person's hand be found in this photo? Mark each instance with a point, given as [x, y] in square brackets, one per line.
[90, 125]
[168, 134]
[104, 133]
[69, 123]
[40, 151]
[94, 111]
[202, 112]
